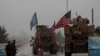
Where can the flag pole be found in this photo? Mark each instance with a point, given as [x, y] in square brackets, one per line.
[67, 5]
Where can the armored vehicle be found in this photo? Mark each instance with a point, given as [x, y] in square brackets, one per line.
[46, 37]
[76, 36]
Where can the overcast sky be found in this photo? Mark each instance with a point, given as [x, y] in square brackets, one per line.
[16, 15]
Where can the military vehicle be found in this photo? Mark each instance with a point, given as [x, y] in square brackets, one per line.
[97, 30]
[46, 37]
[76, 36]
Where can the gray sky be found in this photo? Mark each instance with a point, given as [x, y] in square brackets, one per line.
[16, 15]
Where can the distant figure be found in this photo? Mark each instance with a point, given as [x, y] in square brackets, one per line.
[31, 41]
[13, 48]
[8, 49]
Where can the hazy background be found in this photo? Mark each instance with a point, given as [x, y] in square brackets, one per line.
[15, 15]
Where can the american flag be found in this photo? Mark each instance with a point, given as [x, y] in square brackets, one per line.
[64, 21]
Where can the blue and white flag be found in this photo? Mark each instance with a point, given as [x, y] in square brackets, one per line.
[34, 21]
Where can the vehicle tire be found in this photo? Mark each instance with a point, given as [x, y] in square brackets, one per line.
[67, 54]
[35, 52]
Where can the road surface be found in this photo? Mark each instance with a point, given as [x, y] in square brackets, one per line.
[26, 50]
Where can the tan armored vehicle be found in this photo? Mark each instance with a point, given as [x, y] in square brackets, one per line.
[46, 37]
[76, 36]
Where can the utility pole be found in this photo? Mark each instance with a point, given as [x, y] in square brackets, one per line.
[92, 16]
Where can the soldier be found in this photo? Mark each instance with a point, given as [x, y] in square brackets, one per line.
[13, 48]
[8, 49]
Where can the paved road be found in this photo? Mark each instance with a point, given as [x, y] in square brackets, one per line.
[26, 50]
